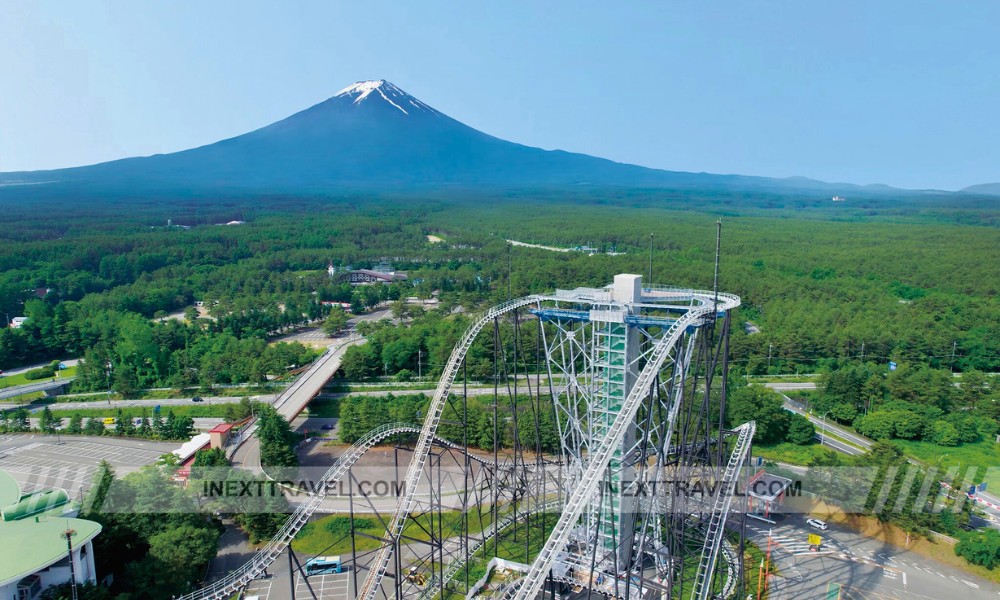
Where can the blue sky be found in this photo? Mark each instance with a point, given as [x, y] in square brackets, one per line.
[904, 93]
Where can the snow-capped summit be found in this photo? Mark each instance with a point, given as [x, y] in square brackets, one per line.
[386, 92]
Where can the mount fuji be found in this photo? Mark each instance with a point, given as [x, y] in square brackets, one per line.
[370, 136]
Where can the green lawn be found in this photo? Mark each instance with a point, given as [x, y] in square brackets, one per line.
[791, 453]
[12, 380]
[329, 535]
[324, 407]
[985, 455]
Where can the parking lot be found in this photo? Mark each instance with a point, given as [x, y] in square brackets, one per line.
[325, 587]
[45, 461]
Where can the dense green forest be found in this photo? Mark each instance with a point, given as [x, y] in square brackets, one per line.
[822, 286]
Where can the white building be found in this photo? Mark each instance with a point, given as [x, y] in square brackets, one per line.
[34, 553]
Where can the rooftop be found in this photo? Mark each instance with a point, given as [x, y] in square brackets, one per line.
[35, 542]
[221, 428]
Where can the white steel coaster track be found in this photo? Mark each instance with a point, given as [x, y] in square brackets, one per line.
[257, 566]
[422, 448]
[712, 304]
[532, 583]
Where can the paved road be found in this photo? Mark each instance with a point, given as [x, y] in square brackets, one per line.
[116, 404]
[69, 362]
[858, 567]
[781, 386]
[294, 399]
[31, 388]
[234, 551]
[825, 425]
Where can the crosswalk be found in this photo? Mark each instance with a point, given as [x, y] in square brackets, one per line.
[785, 541]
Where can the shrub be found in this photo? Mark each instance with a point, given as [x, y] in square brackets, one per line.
[41, 373]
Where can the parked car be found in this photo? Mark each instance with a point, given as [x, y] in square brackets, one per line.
[327, 426]
[816, 524]
[197, 399]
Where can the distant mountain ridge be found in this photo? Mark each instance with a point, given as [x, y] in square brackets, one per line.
[989, 189]
[374, 136]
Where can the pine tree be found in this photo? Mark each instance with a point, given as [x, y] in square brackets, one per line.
[48, 422]
[93, 427]
[75, 426]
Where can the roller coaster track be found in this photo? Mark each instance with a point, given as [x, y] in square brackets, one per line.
[532, 583]
[717, 522]
[502, 525]
[257, 566]
[381, 561]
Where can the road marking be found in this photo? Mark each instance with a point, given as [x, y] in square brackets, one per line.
[970, 584]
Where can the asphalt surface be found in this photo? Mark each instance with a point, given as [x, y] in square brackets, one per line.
[857, 567]
[69, 362]
[30, 388]
[69, 462]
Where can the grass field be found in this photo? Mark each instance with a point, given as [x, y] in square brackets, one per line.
[791, 453]
[19, 379]
[324, 407]
[984, 455]
[330, 535]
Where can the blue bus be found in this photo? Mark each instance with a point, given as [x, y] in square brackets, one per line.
[321, 565]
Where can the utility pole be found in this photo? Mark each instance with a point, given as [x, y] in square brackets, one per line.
[420, 354]
[718, 252]
[954, 346]
[510, 270]
[769, 347]
[862, 352]
[69, 533]
[650, 259]
[109, 383]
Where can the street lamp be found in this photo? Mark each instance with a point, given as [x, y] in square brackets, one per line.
[823, 431]
[109, 382]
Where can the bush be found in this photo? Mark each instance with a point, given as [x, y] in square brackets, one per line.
[341, 526]
[800, 430]
[945, 434]
[981, 548]
[41, 373]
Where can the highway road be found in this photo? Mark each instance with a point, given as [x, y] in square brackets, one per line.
[860, 444]
[781, 386]
[116, 404]
[31, 388]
